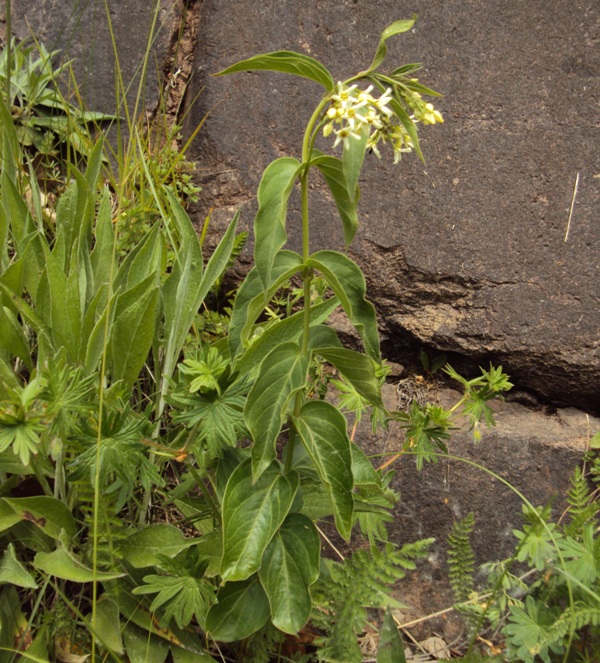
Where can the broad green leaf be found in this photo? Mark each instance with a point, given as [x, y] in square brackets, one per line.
[348, 283]
[352, 162]
[251, 299]
[269, 224]
[287, 62]
[391, 649]
[284, 331]
[290, 565]
[107, 625]
[322, 429]
[97, 336]
[62, 564]
[142, 646]
[13, 572]
[345, 198]
[148, 259]
[16, 212]
[102, 255]
[242, 609]
[144, 546]
[12, 337]
[11, 149]
[358, 369]
[282, 374]
[186, 656]
[252, 513]
[394, 29]
[323, 336]
[132, 330]
[47, 513]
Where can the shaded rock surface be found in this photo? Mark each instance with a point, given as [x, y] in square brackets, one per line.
[470, 257]
[534, 451]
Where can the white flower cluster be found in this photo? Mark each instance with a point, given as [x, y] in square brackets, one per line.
[354, 111]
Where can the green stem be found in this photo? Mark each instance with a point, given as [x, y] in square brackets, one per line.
[307, 274]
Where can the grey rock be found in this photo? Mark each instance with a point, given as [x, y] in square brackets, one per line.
[80, 29]
[471, 257]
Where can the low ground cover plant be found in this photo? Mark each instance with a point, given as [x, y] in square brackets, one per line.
[163, 491]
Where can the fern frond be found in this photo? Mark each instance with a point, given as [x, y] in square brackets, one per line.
[461, 560]
[574, 618]
[363, 581]
[581, 507]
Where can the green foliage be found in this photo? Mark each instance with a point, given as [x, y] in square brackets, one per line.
[461, 560]
[345, 590]
[180, 458]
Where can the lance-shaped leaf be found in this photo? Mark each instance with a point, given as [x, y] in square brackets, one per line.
[63, 564]
[186, 287]
[13, 572]
[283, 331]
[395, 28]
[133, 330]
[289, 566]
[348, 283]
[396, 105]
[251, 299]
[282, 373]
[269, 225]
[357, 368]
[47, 513]
[286, 62]
[391, 649]
[345, 199]
[252, 513]
[363, 472]
[322, 429]
[241, 609]
[352, 161]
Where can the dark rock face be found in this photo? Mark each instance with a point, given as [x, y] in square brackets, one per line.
[470, 257]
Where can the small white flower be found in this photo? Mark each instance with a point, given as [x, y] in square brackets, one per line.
[344, 135]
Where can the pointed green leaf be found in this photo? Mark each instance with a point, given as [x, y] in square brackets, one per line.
[348, 283]
[13, 572]
[143, 547]
[241, 609]
[407, 122]
[102, 254]
[287, 62]
[282, 374]
[143, 646]
[269, 224]
[12, 337]
[107, 625]
[363, 472]
[47, 513]
[251, 299]
[323, 336]
[290, 565]
[345, 198]
[252, 513]
[391, 649]
[285, 330]
[133, 329]
[358, 369]
[187, 286]
[322, 428]
[352, 162]
[394, 29]
[62, 564]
